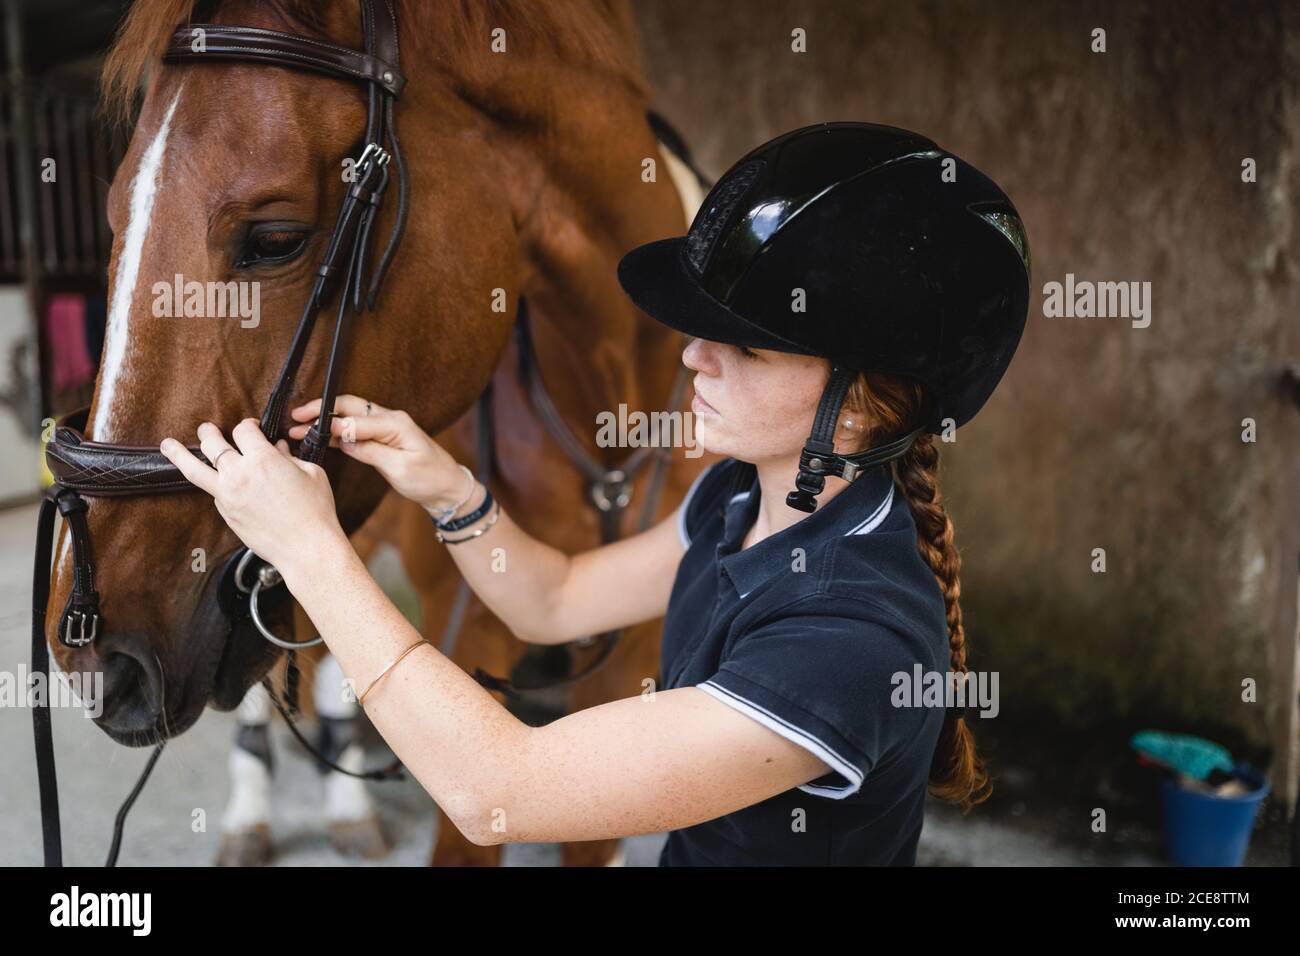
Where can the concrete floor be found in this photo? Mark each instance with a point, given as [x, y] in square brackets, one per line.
[176, 820]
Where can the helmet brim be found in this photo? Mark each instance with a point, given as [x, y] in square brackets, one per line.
[657, 279]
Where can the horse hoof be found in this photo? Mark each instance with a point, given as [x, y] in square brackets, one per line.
[250, 847]
[359, 838]
[461, 857]
[618, 859]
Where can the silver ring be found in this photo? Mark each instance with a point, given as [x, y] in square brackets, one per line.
[219, 454]
[265, 631]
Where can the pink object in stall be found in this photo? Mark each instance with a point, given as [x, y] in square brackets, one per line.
[70, 363]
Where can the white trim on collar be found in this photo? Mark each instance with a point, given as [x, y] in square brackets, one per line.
[877, 516]
[681, 509]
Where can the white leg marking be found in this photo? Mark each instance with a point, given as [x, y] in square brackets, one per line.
[250, 788]
[619, 858]
[250, 782]
[328, 690]
[144, 188]
[346, 797]
[255, 708]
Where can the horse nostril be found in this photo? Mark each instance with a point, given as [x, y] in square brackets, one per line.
[132, 690]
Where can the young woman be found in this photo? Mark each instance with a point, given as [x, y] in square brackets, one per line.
[852, 290]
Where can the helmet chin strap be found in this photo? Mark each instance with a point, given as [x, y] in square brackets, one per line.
[819, 459]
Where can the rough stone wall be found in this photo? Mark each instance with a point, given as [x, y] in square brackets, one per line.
[1126, 166]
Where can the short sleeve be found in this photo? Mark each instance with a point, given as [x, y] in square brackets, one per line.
[705, 493]
[826, 682]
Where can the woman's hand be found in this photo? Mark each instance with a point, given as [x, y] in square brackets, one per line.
[415, 465]
[280, 507]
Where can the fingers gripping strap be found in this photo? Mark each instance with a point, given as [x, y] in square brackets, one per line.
[318, 438]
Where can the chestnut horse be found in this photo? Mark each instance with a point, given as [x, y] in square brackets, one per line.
[527, 142]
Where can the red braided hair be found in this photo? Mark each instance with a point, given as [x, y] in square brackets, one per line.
[888, 405]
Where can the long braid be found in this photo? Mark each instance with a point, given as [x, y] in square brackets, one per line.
[957, 774]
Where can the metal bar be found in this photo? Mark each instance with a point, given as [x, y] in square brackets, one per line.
[65, 191]
[45, 198]
[10, 261]
[102, 157]
[85, 203]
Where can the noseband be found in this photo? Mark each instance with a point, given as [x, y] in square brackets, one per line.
[83, 468]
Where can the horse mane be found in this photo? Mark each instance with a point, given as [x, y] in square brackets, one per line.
[599, 34]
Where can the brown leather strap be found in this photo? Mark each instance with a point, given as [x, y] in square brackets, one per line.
[104, 470]
[385, 36]
[218, 41]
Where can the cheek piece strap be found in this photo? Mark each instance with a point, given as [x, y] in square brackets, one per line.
[819, 459]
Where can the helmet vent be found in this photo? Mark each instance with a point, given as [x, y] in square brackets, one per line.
[716, 212]
[1011, 227]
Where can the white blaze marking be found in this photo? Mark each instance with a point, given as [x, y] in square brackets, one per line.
[144, 189]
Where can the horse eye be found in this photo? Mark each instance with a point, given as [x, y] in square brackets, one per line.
[272, 246]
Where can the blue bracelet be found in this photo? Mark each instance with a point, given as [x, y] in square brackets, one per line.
[470, 518]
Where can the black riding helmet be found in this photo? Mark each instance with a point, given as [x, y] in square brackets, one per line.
[910, 261]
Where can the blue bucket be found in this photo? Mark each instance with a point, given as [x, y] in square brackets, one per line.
[1202, 829]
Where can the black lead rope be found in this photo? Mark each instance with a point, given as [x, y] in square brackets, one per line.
[42, 724]
[390, 771]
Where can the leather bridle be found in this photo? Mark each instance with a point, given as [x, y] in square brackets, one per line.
[84, 468]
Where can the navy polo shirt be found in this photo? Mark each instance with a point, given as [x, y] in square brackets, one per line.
[804, 632]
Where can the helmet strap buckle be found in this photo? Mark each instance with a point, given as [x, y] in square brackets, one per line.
[819, 459]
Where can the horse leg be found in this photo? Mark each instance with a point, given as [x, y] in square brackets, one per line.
[245, 825]
[350, 816]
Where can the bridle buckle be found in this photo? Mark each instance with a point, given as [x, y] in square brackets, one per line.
[81, 617]
[376, 153]
[612, 491]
